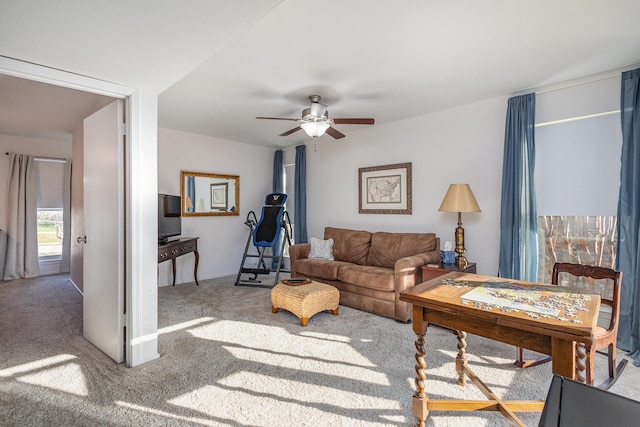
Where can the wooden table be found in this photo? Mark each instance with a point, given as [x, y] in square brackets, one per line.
[176, 248]
[438, 302]
[432, 271]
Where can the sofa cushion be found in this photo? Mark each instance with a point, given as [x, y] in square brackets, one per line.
[318, 268]
[321, 249]
[365, 276]
[349, 245]
[387, 248]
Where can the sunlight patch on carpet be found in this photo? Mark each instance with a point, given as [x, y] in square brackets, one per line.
[185, 325]
[36, 364]
[306, 392]
[274, 339]
[165, 414]
[74, 380]
[282, 400]
[478, 357]
[328, 337]
[311, 365]
[394, 418]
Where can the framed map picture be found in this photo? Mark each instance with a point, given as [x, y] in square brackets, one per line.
[385, 189]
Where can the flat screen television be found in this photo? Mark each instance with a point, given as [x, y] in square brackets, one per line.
[169, 220]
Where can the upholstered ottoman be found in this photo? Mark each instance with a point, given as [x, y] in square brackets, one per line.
[305, 300]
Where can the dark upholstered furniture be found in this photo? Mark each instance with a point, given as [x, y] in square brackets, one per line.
[570, 403]
[370, 269]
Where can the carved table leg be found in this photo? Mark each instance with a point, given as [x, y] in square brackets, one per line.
[420, 398]
[581, 367]
[461, 358]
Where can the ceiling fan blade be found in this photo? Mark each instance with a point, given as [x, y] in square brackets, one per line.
[289, 132]
[276, 118]
[353, 121]
[335, 132]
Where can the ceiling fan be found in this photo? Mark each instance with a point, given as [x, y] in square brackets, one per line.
[315, 121]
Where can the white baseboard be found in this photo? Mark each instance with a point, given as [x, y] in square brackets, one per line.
[76, 286]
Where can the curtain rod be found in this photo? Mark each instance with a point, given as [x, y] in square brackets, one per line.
[46, 159]
[575, 83]
[579, 81]
[573, 119]
[291, 147]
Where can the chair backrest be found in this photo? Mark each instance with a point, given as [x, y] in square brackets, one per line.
[612, 298]
[267, 230]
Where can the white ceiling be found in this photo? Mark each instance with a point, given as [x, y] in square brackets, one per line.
[218, 64]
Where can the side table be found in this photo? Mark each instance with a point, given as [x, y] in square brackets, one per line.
[176, 248]
[432, 271]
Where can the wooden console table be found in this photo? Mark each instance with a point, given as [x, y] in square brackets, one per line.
[438, 302]
[173, 249]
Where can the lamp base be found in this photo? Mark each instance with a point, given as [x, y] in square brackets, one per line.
[461, 261]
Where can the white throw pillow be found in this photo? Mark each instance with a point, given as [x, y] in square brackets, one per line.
[321, 249]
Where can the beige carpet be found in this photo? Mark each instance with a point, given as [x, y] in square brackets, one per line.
[226, 360]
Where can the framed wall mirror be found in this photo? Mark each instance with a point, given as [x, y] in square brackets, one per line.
[209, 194]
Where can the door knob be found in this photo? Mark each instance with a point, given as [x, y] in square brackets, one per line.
[82, 239]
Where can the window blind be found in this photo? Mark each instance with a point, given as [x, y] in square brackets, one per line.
[577, 170]
[50, 184]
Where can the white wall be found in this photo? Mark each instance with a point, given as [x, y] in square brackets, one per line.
[460, 145]
[222, 239]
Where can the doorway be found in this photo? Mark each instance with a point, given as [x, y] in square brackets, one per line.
[141, 160]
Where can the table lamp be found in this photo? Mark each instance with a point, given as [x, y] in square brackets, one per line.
[459, 198]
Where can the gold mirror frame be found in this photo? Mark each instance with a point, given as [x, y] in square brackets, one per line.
[218, 195]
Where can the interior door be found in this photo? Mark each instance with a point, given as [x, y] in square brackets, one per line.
[104, 227]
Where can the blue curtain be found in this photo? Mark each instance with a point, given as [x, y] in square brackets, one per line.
[300, 231]
[518, 222]
[629, 216]
[191, 192]
[277, 187]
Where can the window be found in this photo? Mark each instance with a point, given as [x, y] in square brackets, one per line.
[579, 239]
[50, 176]
[289, 185]
[289, 189]
[50, 229]
[577, 175]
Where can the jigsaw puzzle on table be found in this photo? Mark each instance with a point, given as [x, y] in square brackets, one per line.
[538, 302]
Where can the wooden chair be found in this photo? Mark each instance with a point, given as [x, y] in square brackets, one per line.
[604, 337]
[521, 363]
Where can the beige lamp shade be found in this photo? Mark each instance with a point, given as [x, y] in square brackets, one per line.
[188, 203]
[459, 198]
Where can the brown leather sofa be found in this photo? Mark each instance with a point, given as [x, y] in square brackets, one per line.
[370, 269]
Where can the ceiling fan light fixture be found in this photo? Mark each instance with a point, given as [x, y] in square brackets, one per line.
[315, 121]
[315, 129]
